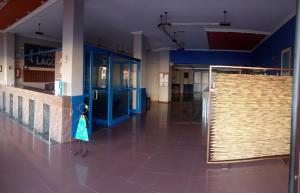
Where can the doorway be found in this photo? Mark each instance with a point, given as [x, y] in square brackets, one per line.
[188, 85]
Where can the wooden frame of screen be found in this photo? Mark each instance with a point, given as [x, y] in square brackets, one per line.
[214, 67]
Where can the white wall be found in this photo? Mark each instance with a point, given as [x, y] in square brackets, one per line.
[156, 63]
[139, 51]
[19, 49]
[9, 52]
[164, 93]
[7, 58]
[152, 74]
[72, 49]
[2, 57]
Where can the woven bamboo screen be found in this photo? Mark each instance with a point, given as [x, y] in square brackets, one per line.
[251, 117]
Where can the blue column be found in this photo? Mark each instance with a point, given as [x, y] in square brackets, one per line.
[110, 91]
[138, 88]
[121, 76]
[91, 89]
[129, 87]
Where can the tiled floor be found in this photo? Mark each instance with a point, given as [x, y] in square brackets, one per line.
[157, 152]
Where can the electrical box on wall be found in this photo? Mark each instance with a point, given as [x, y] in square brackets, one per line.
[58, 87]
[164, 79]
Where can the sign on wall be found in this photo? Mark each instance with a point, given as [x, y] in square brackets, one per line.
[286, 60]
[43, 60]
[164, 79]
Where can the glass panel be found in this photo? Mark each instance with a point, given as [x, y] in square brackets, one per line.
[87, 73]
[116, 76]
[31, 114]
[46, 122]
[125, 75]
[205, 80]
[197, 87]
[120, 103]
[197, 81]
[100, 104]
[11, 105]
[101, 75]
[20, 109]
[133, 85]
[133, 78]
[3, 101]
[133, 100]
[100, 71]
[188, 92]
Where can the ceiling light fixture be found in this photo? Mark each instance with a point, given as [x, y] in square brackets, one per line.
[224, 23]
[39, 30]
[164, 25]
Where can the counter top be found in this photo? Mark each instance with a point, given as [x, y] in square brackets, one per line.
[49, 92]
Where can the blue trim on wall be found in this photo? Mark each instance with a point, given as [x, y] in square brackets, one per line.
[211, 58]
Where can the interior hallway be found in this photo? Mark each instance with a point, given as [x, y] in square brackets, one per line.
[157, 152]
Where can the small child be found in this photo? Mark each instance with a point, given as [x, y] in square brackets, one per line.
[82, 136]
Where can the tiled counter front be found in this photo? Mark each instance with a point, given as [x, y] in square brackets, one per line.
[40, 112]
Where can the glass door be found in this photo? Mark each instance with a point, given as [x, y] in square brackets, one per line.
[120, 99]
[135, 87]
[100, 89]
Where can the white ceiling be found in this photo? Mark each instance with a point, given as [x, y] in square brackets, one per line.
[110, 22]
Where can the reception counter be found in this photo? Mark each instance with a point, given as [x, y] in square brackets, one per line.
[42, 112]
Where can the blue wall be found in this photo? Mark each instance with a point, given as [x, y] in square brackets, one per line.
[211, 57]
[268, 54]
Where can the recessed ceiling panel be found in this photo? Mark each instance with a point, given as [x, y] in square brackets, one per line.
[233, 40]
[15, 10]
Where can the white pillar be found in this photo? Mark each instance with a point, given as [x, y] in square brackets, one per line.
[2, 76]
[7, 58]
[164, 92]
[139, 48]
[72, 48]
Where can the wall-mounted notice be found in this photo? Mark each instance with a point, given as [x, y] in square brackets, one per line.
[44, 60]
[164, 79]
